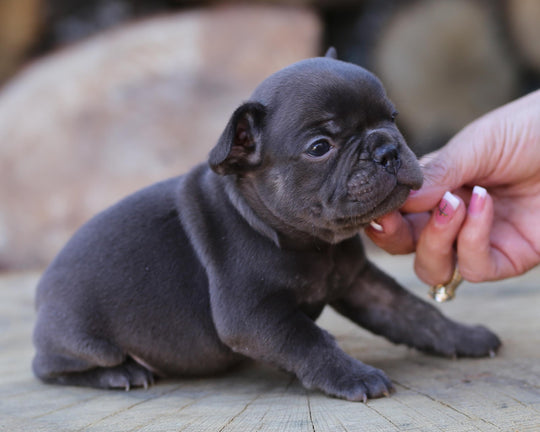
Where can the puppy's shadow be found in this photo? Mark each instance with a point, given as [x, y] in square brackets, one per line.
[248, 380]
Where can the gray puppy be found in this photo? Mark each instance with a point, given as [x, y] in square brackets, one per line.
[238, 257]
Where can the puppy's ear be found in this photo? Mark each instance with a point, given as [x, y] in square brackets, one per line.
[239, 148]
[331, 53]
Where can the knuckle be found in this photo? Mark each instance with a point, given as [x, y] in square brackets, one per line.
[472, 275]
[434, 246]
[472, 238]
[426, 274]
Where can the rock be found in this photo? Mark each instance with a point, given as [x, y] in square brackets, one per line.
[88, 125]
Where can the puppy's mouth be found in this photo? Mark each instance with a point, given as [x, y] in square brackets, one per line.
[392, 201]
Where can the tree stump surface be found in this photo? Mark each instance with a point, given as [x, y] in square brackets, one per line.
[432, 394]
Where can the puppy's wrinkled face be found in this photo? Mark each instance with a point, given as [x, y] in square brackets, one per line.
[335, 159]
[330, 158]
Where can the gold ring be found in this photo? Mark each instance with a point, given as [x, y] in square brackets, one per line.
[446, 291]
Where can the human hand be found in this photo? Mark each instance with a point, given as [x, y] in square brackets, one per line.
[491, 234]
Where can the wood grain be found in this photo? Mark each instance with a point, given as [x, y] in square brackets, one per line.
[432, 394]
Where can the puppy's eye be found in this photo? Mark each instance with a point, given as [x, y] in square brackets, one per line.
[319, 148]
[394, 115]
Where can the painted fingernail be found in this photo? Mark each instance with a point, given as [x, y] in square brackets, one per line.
[478, 200]
[446, 209]
[377, 227]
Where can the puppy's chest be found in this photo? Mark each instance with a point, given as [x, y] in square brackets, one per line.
[325, 279]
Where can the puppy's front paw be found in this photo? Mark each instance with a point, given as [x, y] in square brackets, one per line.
[357, 382]
[476, 341]
[458, 340]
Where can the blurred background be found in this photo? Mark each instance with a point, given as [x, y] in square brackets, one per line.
[101, 97]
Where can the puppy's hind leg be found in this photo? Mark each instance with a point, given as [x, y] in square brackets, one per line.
[94, 363]
[124, 376]
[379, 304]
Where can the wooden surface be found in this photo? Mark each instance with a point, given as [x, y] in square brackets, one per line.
[433, 394]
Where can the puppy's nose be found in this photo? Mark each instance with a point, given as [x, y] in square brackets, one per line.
[387, 155]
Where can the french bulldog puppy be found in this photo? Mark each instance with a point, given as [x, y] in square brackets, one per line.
[238, 257]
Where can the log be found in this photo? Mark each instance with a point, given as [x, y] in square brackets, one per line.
[444, 64]
[432, 393]
[524, 23]
[20, 21]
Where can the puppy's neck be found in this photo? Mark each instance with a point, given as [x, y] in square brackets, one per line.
[245, 210]
[251, 207]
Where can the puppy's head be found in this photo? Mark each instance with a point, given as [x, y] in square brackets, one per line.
[316, 150]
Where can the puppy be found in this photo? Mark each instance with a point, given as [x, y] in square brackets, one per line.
[238, 257]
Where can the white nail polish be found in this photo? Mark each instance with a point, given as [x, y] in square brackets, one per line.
[376, 226]
[479, 191]
[451, 199]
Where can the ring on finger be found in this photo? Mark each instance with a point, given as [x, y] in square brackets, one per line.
[446, 291]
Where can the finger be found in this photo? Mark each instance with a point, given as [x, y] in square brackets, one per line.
[392, 233]
[398, 233]
[435, 254]
[417, 223]
[456, 164]
[478, 260]
[435, 167]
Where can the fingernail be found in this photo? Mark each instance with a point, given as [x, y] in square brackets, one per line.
[413, 192]
[478, 200]
[377, 227]
[446, 209]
